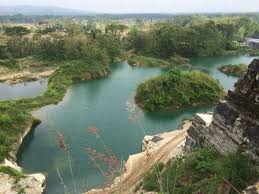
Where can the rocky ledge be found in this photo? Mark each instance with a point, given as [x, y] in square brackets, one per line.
[27, 183]
[234, 125]
[158, 148]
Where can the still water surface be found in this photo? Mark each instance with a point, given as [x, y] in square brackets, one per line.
[23, 90]
[102, 103]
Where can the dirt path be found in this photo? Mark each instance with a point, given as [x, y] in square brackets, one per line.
[137, 165]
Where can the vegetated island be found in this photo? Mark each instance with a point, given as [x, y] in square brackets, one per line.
[233, 70]
[177, 89]
[146, 61]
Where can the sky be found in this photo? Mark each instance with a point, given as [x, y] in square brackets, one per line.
[146, 6]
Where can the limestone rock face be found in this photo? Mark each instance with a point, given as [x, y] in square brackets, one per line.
[27, 184]
[235, 121]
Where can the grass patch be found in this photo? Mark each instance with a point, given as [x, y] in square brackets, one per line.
[202, 171]
[177, 89]
[9, 63]
[233, 70]
[12, 172]
[144, 61]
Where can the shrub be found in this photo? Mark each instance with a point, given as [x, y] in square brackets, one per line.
[143, 61]
[177, 89]
[9, 63]
[203, 171]
[5, 119]
[234, 70]
[12, 172]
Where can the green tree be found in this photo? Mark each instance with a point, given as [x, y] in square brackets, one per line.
[116, 29]
[16, 31]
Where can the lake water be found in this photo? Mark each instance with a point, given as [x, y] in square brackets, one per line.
[102, 103]
[23, 90]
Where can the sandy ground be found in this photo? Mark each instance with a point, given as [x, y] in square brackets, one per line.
[137, 165]
[25, 75]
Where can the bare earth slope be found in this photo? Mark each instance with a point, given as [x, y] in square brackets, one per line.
[137, 165]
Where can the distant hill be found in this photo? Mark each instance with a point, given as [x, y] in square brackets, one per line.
[39, 10]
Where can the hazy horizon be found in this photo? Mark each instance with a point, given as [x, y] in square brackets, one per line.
[146, 6]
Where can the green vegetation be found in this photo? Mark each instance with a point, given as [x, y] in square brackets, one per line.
[80, 51]
[177, 89]
[178, 61]
[12, 172]
[15, 115]
[12, 121]
[192, 36]
[143, 61]
[76, 53]
[138, 60]
[16, 31]
[234, 70]
[253, 52]
[202, 171]
[9, 63]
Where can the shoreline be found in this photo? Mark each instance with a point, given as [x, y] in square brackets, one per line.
[31, 183]
[170, 145]
[38, 179]
[24, 76]
[32, 125]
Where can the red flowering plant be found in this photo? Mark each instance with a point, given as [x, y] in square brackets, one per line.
[62, 145]
[106, 163]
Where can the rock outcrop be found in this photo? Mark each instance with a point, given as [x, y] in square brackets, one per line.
[27, 184]
[234, 125]
[253, 189]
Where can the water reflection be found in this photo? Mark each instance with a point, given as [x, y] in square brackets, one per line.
[22, 90]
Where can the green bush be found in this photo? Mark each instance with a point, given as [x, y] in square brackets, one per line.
[9, 63]
[234, 70]
[143, 61]
[177, 60]
[5, 119]
[177, 89]
[203, 171]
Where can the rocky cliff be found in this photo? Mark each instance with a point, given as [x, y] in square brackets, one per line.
[13, 181]
[234, 125]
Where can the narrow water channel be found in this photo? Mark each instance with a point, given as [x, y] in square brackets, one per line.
[102, 103]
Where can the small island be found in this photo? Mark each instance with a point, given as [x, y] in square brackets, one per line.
[233, 70]
[144, 61]
[177, 89]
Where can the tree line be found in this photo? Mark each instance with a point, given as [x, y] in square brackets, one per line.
[192, 36]
[186, 36]
[72, 41]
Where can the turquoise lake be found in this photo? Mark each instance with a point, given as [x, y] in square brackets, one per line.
[102, 103]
